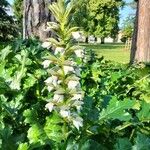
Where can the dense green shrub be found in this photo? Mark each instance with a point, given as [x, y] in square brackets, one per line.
[115, 110]
[116, 105]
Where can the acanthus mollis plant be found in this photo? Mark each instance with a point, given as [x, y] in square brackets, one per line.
[63, 70]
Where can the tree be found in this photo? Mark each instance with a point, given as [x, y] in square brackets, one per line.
[7, 24]
[99, 18]
[18, 10]
[140, 51]
[35, 17]
[81, 16]
[127, 29]
[104, 17]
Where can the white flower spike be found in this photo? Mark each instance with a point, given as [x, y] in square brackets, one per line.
[72, 84]
[78, 122]
[50, 88]
[68, 69]
[58, 98]
[51, 80]
[49, 106]
[46, 45]
[46, 63]
[60, 50]
[77, 97]
[76, 35]
[65, 113]
[79, 53]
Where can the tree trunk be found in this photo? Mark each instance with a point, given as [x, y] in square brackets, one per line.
[134, 37]
[102, 40]
[36, 16]
[141, 41]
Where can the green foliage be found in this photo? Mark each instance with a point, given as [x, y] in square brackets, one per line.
[123, 143]
[127, 29]
[17, 67]
[18, 9]
[115, 111]
[99, 18]
[8, 28]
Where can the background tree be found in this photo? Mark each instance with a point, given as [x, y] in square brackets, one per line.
[7, 24]
[99, 18]
[18, 10]
[81, 16]
[104, 16]
[127, 29]
[140, 51]
[35, 17]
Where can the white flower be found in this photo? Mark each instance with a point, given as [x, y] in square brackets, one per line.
[77, 72]
[64, 112]
[51, 80]
[46, 45]
[72, 84]
[59, 81]
[73, 63]
[50, 88]
[58, 97]
[49, 106]
[76, 35]
[68, 69]
[78, 122]
[59, 50]
[77, 97]
[79, 53]
[78, 104]
[46, 63]
[48, 80]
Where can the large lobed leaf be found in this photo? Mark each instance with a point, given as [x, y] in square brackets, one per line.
[144, 114]
[117, 110]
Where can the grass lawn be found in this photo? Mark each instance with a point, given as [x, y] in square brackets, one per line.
[111, 51]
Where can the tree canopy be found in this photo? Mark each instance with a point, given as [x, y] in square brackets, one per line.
[7, 24]
[99, 18]
[18, 9]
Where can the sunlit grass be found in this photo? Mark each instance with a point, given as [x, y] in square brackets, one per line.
[112, 51]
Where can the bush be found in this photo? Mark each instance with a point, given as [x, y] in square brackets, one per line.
[115, 111]
[115, 108]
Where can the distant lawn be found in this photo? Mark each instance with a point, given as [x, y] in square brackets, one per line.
[111, 51]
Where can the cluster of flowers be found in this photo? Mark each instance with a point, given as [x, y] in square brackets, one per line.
[64, 82]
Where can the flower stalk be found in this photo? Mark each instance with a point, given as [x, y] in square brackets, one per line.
[64, 80]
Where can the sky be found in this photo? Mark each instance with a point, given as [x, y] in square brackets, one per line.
[124, 13]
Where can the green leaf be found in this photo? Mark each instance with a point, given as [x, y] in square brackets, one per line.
[123, 144]
[5, 52]
[53, 128]
[144, 114]
[3, 86]
[30, 81]
[36, 135]
[30, 116]
[23, 146]
[142, 142]
[91, 145]
[117, 110]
